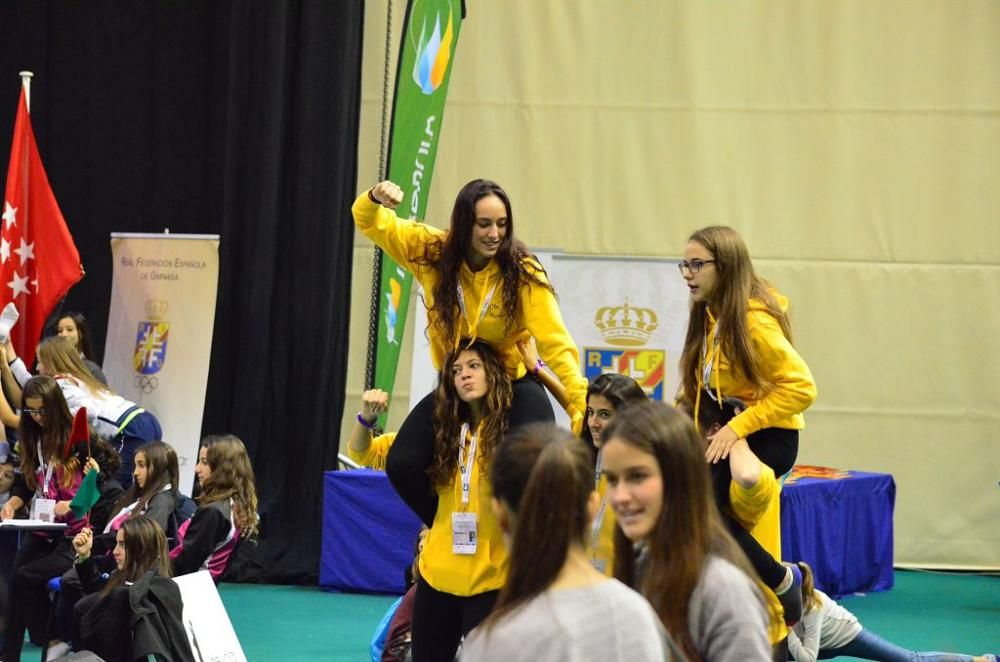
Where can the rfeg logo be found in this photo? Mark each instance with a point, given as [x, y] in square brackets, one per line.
[433, 51]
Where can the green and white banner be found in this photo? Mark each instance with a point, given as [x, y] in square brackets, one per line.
[430, 35]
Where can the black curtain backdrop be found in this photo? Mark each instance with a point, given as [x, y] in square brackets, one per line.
[238, 118]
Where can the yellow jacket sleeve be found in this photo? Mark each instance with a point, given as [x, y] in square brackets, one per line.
[544, 323]
[793, 386]
[750, 503]
[403, 239]
[376, 453]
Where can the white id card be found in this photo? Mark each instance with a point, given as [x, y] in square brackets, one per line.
[463, 533]
[43, 509]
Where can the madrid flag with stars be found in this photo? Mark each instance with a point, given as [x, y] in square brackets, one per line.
[38, 259]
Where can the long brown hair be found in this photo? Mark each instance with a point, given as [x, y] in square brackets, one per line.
[60, 357]
[810, 600]
[145, 550]
[450, 412]
[517, 265]
[688, 529]
[52, 434]
[161, 470]
[736, 284]
[544, 476]
[232, 478]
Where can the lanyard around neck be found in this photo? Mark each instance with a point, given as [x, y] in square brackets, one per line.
[466, 461]
[708, 359]
[46, 468]
[483, 307]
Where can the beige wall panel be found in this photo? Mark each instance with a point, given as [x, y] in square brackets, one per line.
[855, 144]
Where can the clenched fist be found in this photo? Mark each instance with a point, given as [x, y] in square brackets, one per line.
[387, 194]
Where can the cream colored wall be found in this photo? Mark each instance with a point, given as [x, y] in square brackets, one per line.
[855, 144]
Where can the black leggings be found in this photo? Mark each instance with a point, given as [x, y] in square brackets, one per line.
[39, 560]
[440, 620]
[413, 450]
[777, 448]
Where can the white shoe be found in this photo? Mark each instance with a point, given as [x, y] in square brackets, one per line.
[8, 318]
[56, 651]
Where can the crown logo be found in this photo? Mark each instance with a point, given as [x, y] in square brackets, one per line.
[624, 325]
[156, 309]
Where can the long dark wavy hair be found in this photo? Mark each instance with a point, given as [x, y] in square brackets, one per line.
[232, 478]
[517, 265]
[737, 282]
[620, 390]
[544, 477]
[145, 550]
[450, 412]
[689, 527]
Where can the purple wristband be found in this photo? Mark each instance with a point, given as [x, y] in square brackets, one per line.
[366, 424]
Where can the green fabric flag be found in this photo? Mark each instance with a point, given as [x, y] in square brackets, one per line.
[430, 36]
[86, 496]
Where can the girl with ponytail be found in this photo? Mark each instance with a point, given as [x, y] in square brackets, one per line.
[544, 500]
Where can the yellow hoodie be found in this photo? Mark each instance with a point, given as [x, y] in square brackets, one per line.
[405, 240]
[461, 574]
[779, 364]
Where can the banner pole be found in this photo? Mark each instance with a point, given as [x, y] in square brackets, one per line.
[376, 296]
[26, 82]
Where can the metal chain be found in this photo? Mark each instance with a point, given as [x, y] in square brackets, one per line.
[382, 169]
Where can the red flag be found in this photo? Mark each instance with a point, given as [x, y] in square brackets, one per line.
[38, 259]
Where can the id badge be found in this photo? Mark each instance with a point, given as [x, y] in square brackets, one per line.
[43, 509]
[463, 533]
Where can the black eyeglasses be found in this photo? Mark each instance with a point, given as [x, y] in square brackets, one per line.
[36, 412]
[694, 266]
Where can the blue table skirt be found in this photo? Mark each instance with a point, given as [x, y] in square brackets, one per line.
[368, 533]
[840, 523]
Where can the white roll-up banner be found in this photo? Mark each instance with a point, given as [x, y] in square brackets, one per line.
[626, 315]
[159, 340]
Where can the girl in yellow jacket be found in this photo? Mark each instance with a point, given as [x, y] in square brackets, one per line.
[464, 562]
[478, 282]
[739, 344]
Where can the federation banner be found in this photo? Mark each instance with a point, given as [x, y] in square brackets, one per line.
[627, 316]
[430, 36]
[159, 340]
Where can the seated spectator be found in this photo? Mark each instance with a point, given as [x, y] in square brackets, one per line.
[362, 448]
[74, 328]
[153, 495]
[827, 630]
[393, 638]
[122, 422]
[227, 508]
[138, 597]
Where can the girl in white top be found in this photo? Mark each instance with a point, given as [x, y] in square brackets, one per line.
[827, 630]
[122, 422]
[556, 605]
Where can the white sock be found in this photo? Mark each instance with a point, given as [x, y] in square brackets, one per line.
[786, 583]
[8, 318]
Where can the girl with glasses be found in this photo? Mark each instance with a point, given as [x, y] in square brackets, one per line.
[122, 422]
[478, 281]
[739, 344]
[51, 478]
